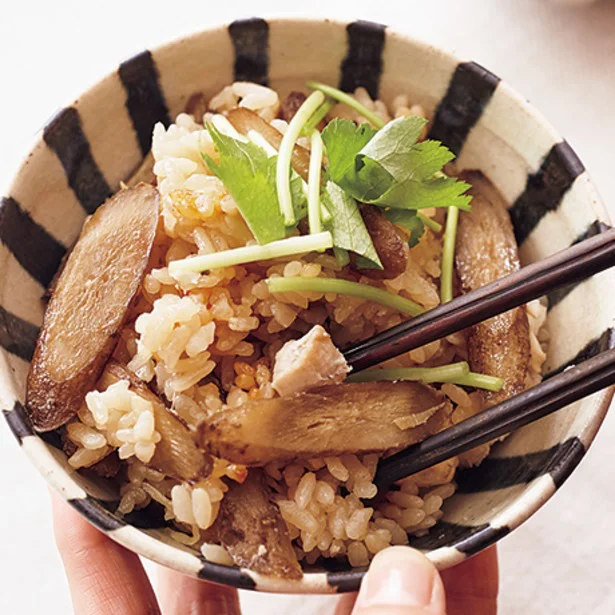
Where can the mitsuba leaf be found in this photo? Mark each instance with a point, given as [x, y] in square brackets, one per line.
[344, 140]
[249, 176]
[392, 169]
[347, 226]
[408, 219]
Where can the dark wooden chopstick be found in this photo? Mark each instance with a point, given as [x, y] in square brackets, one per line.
[527, 407]
[571, 265]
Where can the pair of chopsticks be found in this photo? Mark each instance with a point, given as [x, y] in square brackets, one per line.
[569, 266]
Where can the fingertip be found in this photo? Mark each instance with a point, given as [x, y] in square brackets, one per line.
[401, 580]
[179, 594]
[104, 577]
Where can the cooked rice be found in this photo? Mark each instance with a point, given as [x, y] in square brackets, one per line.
[113, 419]
[201, 334]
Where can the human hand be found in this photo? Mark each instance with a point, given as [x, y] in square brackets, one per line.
[106, 579]
[402, 581]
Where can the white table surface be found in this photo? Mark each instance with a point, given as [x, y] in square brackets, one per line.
[562, 58]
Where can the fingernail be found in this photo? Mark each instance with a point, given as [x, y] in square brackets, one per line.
[398, 576]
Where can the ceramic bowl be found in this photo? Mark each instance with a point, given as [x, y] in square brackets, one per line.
[91, 145]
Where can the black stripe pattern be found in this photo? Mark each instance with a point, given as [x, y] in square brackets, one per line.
[346, 580]
[250, 38]
[18, 422]
[64, 135]
[470, 89]
[226, 575]
[545, 189]
[17, 336]
[466, 538]
[606, 341]
[93, 510]
[496, 473]
[34, 248]
[144, 98]
[566, 459]
[557, 295]
[362, 66]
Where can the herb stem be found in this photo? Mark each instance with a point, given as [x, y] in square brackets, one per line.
[318, 116]
[443, 373]
[250, 254]
[314, 213]
[285, 154]
[344, 287]
[258, 139]
[349, 100]
[436, 227]
[454, 373]
[448, 255]
[481, 381]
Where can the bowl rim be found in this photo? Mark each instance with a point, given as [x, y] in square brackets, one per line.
[176, 558]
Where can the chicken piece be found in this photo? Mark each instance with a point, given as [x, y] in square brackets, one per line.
[486, 251]
[331, 420]
[250, 527]
[390, 247]
[308, 362]
[89, 305]
[177, 454]
[291, 105]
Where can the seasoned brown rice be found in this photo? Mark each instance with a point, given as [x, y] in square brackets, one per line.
[197, 335]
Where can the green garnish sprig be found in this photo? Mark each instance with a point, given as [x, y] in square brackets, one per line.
[390, 167]
[314, 209]
[249, 254]
[305, 111]
[454, 373]
[347, 99]
[344, 287]
[448, 255]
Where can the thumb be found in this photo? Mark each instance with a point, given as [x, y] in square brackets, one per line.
[401, 581]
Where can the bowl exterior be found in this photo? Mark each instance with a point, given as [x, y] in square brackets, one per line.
[91, 145]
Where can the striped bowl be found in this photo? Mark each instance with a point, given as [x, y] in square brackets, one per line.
[93, 144]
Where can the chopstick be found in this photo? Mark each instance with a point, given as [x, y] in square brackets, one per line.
[568, 266]
[535, 403]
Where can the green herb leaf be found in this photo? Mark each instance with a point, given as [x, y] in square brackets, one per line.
[347, 226]
[298, 195]
[344, 140]
[248, 173]
[396, 150]
[390, 168]
[341, 256]
[410, 220]
[438, 192]
[411, 167]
